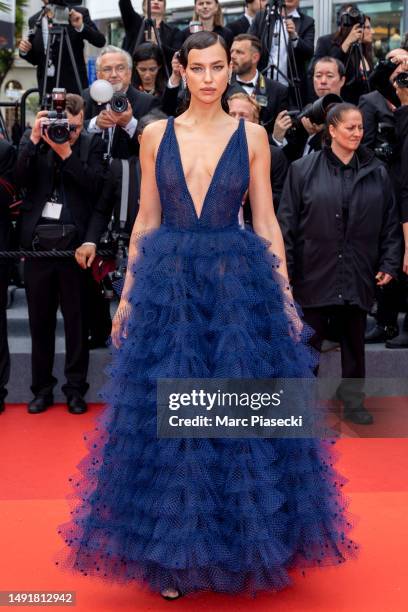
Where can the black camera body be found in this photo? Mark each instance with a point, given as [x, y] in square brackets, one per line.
[352, 18]
[56, 124]
[317, 111]
[386, 147]
[59, 10]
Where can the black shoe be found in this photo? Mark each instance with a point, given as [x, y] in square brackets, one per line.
[359, 415]
[40, 403]
[172, 597]
[398, 342]
[76, 404]
[2, 405]
[380, 334]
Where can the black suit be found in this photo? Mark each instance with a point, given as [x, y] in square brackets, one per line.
[239, 26]
[303, 51]
[36, 55]
[51, 281]
[134, 24]
[375, 110]
[123, 146]
[7, 161]
[297, 139]
[276, 94]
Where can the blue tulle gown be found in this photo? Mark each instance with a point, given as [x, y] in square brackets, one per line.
[228, 515]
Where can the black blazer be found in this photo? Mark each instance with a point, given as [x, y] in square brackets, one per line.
[297, 139]
[82, 182]
[7, 161]
[134, 23]
[303, 52]
[123, 146]
[375, 110]
[36, 55]
[277, 96]
[239, 26]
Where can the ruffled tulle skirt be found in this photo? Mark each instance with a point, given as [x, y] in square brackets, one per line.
[229, 515]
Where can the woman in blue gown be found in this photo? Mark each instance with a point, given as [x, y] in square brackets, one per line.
[203, 299]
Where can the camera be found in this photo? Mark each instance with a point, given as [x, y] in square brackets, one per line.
[352, 18]
[402, 80]
[59, 10]
[386, 142]
[56, 124]
[119, 102]
[317, 111]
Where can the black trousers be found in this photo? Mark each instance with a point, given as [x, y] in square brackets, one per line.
[49, 283]
[4, 348]
[350, 324]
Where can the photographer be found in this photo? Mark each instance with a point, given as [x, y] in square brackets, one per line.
[295, 55]
[7, 161]
[208, 15]
[118, 127]
[79, 27]
[61, 169]
[270, 95]
[340, 225]
[136, 28]
[351, 44]
[303, 136]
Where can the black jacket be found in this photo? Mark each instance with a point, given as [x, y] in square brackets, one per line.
[296, 142]
[239, 26]
[375, 110]
[134, 24]
[123, 146]
[327, 265]
[7, 161]
[36, 55]
[303, 52]
[82, 182]
[109, 202]
[276, 94]
[399, 165]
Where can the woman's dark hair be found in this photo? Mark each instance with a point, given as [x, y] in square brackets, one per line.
[335, 116]
[202, 40]
[149, 51]
[152, 117]
[366, 48]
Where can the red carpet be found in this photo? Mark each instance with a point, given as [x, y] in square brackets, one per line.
[39, 452]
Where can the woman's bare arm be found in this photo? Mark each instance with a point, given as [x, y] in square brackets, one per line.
[148, 218]
[264, 220]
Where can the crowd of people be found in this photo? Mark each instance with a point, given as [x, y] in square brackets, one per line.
[338, 130]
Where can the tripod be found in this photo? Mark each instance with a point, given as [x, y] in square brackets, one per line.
[58, 31]
[273, 31]
[149, 25]
[356, 56]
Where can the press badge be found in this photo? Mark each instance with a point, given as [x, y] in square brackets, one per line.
[52, 210]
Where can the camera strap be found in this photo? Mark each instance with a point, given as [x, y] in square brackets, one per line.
[124, 193]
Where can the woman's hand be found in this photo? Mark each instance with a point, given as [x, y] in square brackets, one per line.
[119, 323]
[355, 35]
[383, 278]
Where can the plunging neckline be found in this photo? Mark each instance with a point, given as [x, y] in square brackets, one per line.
[180, 162]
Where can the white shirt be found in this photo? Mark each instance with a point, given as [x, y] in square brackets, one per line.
[282, 61]
[248, 90]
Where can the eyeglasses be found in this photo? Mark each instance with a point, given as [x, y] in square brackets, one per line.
[119, 69]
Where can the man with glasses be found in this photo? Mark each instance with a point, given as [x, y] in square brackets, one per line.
[62, 183]
[118, 129]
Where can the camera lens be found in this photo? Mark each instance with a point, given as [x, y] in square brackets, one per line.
[402, 80]
[58, 133]
[119, 102]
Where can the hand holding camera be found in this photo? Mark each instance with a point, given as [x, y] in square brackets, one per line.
[283, 123]
[76, 19]
[311, 128]
[355, 36]
[25, 46]
[291, 28]
[175, 77]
